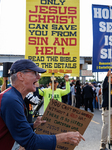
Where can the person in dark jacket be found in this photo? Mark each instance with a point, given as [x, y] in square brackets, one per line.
[105, 110]
[88, 97]
[78, 94]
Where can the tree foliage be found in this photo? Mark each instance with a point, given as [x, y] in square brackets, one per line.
[46, 80]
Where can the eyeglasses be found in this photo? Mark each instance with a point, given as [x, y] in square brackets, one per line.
[36, 73]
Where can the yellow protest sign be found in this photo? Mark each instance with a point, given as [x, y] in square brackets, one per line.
[52, 35]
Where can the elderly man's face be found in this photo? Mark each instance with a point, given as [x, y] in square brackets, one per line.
[30, 78]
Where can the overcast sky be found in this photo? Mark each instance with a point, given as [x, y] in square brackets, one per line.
[12, 26]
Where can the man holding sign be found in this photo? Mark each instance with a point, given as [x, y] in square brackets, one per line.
[105, 110]
[58, 93]
[13, 122]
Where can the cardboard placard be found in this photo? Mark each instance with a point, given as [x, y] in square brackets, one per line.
[61, 118]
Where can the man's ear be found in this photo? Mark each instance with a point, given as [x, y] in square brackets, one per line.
[20, 76]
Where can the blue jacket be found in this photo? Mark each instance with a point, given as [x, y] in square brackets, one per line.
[13, 121]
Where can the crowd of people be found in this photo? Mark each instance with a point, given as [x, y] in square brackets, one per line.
[73, 93]
[86, 95]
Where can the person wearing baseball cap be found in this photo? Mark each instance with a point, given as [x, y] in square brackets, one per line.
[14, 126]
[25, 64]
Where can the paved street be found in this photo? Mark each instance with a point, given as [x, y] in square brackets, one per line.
[92, 134]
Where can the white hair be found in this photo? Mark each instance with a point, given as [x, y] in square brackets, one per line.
[13, 78]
